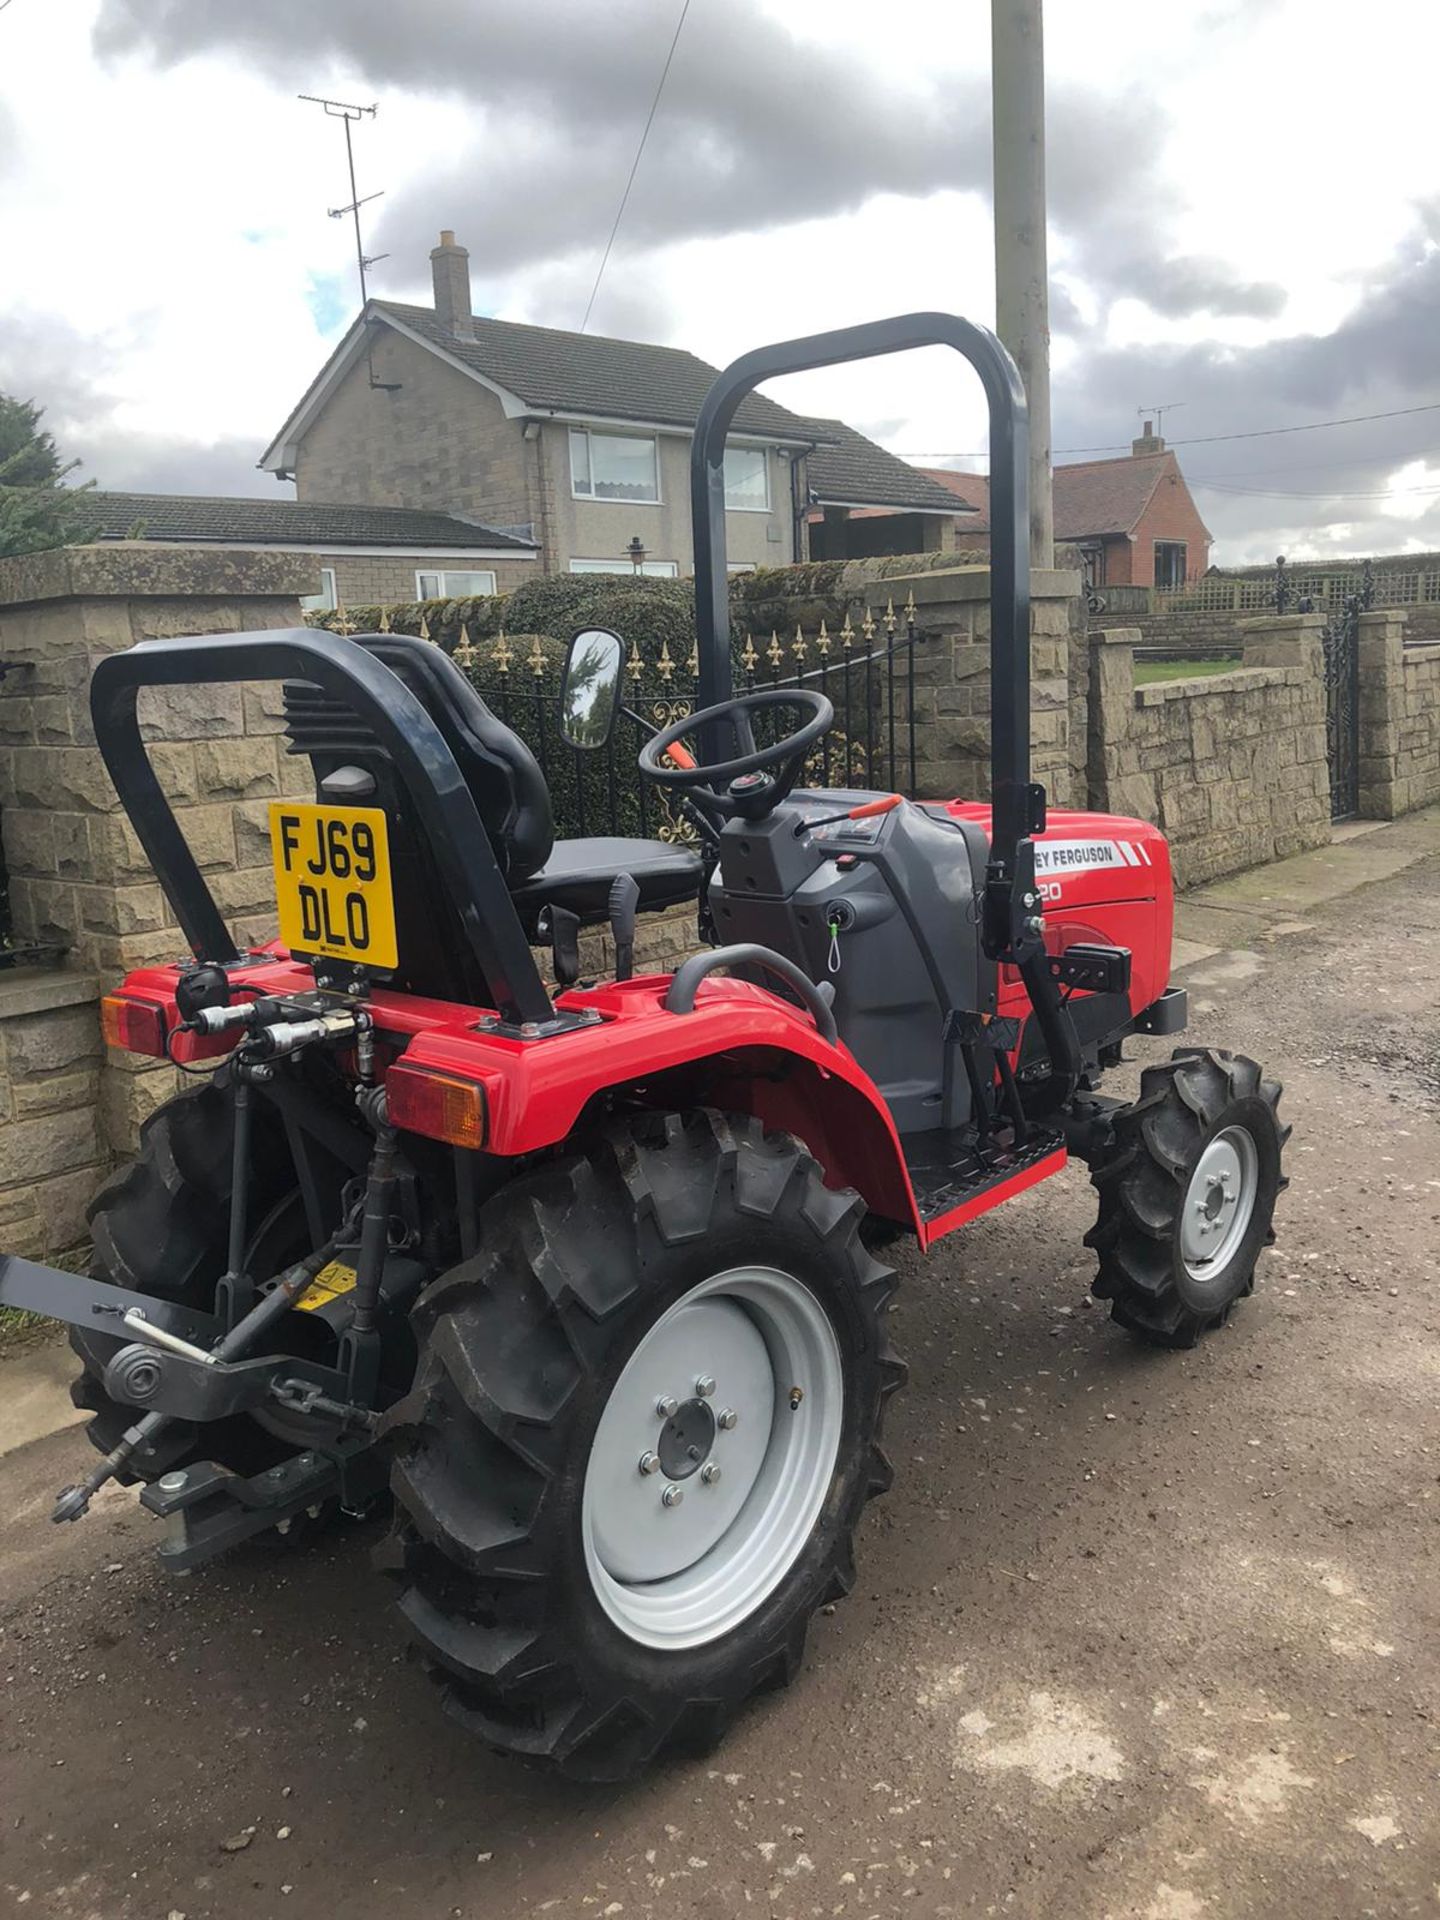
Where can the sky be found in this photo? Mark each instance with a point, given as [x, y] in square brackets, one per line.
[1244, 219]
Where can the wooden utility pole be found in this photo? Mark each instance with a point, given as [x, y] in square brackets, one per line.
[1022, 301]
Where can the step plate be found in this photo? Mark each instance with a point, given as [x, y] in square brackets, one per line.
[950, 1170]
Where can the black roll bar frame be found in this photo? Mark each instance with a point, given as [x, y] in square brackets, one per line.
[1017, 806]
[437, 788]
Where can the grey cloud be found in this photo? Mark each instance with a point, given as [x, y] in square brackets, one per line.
[756, 130]
[129, 462]
[1381, 358]
[1188, 285]
[67, 373]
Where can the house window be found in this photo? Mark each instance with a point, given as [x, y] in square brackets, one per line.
[1169, 563]
[326, 600]
[650, 569]
[747, 480]
[613, 466]
[449, 583]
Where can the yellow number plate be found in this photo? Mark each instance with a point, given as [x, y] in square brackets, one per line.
[332, 880]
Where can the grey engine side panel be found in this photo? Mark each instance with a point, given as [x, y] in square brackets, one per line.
[909, 947]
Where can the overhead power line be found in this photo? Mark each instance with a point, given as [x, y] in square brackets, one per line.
[1336, 493]
[635, 163]
[1269, 433]
[1213, 439]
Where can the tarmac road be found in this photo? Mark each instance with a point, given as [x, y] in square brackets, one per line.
[1136, 1637]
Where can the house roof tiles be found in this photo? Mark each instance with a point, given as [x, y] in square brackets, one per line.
[1093, 498]
[853, 471]
[202, 519]
[554, 371]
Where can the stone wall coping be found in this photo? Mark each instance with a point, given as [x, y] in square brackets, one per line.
[26, 990]
[970, 583]
[1116, 637]
[139, 569]
[1243, 680]
[1421, 656]
[1278, 623]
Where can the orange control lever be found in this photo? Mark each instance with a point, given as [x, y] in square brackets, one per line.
[681, 757]
[886, 803]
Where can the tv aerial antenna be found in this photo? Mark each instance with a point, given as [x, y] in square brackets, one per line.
[347, 112]
[1157, 414]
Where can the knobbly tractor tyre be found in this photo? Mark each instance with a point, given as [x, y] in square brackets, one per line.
[161, 1226]
[645, 1421]
[1187, 1189]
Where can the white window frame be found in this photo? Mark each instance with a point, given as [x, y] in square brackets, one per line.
[327, 599]
[443, 575]
[587, 434]
[764, 453]
[651, 570]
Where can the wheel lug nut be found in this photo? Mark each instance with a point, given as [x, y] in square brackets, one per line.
[704, 1386]
[665, 1406]
[726, 1419]
[710, 1473]
[649, 1463]
[672, 1496]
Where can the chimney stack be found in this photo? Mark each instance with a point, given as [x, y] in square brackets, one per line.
[450, 272]
[1149, 441]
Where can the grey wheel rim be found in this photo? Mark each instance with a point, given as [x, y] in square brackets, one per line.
[1219, 1203]
[713, 1457]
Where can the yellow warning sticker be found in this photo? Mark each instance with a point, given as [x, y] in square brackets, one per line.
[327, 1285]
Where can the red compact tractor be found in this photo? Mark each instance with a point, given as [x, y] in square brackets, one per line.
[589, 1284]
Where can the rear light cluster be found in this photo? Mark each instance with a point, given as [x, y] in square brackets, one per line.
[441, 1106]
[135, 1026]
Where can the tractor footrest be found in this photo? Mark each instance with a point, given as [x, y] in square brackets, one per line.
[949, 1170]
[1169, 1014]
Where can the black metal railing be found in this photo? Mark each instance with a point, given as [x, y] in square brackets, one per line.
[868, 671]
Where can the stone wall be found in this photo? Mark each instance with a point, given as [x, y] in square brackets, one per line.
[1399, 716]
[53, 1153]
[952, 679]
[1232, 767]
[79, 881]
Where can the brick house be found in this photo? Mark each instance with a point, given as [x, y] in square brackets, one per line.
[1134, 518]
[577, 442]
[363, 555]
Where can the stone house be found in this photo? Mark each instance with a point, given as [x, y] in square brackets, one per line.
[362, 555]
[1133, 519]
[578, 442]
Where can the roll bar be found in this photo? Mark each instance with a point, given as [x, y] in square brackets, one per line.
[438, 791]
[1016, 805]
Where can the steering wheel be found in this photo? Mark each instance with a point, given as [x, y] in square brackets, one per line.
[750, 791]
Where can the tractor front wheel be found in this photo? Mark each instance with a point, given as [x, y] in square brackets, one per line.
[1187, 1191]
[644, 1424]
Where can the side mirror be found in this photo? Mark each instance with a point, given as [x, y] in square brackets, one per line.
[590, 687]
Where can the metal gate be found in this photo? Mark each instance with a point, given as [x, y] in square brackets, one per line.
[1341, 639]
[1342, 707]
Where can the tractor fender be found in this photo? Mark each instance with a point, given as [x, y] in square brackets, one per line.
[741, 1048]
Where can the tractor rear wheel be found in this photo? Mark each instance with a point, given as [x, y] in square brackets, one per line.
[645, 1421]
[1187, 1191]
[161, 1226]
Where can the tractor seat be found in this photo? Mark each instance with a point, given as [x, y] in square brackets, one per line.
[579, 873]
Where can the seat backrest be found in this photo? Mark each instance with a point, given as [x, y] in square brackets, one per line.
[500, 770]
